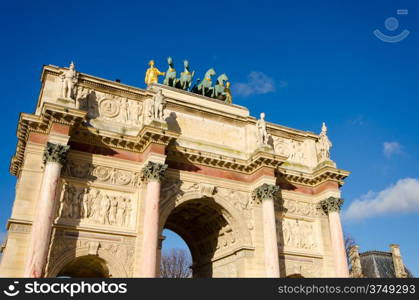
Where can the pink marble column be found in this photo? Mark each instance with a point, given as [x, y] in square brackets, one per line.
[54, 158]
[152, 173]
[332, 207]
[265, 193]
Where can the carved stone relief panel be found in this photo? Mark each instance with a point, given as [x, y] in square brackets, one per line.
[282, 146]
[241, 201]
[89, 205]
[306, 267]
[297, 234]
[293, 149]
[111, 108]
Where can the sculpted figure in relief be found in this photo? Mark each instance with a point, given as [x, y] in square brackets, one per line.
[85, 202]
[68, 79]
[297, 152]
[127, 219]
[96, 198]
[65, 206]
[139, 112]
[113, 210]
[121, 211]
[105, 205]
[124, 109]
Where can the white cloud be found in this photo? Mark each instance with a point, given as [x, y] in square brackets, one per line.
[402, 197]
[390, 148]
[257, 83]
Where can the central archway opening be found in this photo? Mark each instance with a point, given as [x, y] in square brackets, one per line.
[202, 225]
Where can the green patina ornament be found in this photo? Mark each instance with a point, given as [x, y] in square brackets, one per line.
[205, 88]
[219, 88]
[170, 78]
[185, 77]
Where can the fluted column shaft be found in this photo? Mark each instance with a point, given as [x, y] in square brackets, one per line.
[152, 174]
[54, 158]
[332, 207]
[266, 194]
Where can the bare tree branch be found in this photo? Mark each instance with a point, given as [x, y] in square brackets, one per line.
[176, 263]
[349, 242]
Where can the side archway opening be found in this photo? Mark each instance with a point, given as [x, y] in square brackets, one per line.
[88, 266]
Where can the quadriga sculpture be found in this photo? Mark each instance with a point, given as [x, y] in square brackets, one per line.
[205, 88]
[185, 77]
[170, 78]
[219, 88]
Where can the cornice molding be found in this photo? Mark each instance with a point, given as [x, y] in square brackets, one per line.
[50, 114]
[314, 179]
[247, 166]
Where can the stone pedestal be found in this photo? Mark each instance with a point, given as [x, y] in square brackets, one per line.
[152, 174]
[332, 207]
[54, 158]
[265, 194]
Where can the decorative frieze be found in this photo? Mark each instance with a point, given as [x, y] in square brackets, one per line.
[331, 204]
[153, 171]
[103, 174]
[55, 153]
[299, 208]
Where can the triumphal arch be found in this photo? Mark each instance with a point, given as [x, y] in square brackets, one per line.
[102, 168]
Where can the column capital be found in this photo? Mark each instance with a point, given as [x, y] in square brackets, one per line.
[55, 153]
[331, 204]
[153, 171]
[265, 191]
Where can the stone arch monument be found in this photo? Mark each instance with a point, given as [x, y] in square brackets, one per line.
[102, 168]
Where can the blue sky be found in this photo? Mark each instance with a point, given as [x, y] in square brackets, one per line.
[302, 62]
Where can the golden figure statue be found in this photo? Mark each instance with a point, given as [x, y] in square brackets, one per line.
[152, 74]
[227, 90]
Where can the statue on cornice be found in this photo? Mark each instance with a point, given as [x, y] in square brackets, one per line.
[69, 79]
[229, 97]
[157, 107]
[262, 134]
[323, 145]
[152, 74]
